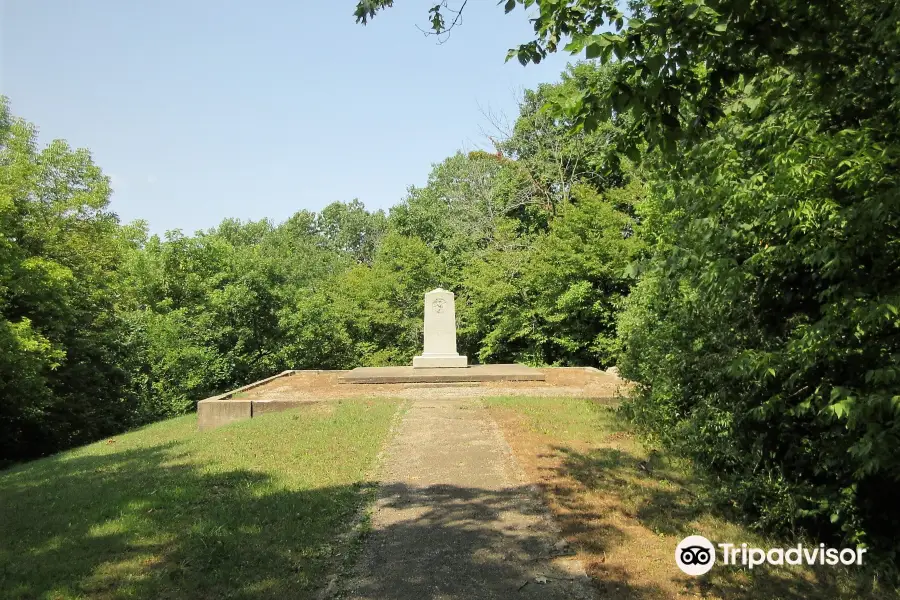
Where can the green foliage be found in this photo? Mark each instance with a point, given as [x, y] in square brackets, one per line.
[59, 335]
[536, 239]
[764, 329]
[554, 300]
[106, 327]
[369, 314]
[213, 311]
[553, 153]
[459, 211]
[349, 228]
[162, 512]
[771, 299]
[676, 60]
[103, 327]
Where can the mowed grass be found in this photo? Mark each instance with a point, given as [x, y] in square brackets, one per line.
[251, 510]
[626, 506]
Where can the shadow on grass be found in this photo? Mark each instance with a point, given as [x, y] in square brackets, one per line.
[148, 524]
[651, 493]
[139, 523]
[658, 498]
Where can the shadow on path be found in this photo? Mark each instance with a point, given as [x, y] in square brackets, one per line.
[445, 541]
[146, 524]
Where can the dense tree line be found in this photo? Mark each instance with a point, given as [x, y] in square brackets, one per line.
[713, 206]
[764, 332]
[106, 327]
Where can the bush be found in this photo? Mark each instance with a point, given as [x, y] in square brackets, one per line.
[765, 332]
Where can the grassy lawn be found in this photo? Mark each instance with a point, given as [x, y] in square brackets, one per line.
[626, 507]
[253, 509]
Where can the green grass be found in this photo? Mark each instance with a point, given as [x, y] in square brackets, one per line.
[629, 505]
[253, 509]
[565, 419]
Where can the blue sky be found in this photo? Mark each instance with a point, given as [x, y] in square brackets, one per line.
[201, 110]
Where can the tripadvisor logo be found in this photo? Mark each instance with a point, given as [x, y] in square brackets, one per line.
[696, 555]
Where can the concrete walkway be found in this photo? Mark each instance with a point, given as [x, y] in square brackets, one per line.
[455, 518]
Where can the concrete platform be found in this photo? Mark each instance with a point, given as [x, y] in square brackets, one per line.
[295, 389]
[445, 375]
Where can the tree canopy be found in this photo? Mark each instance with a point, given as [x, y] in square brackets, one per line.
[710, 203]
[763, 330]
[105, 326]
[681, 64]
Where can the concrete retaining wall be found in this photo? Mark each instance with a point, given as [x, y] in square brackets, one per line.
[261, 407]
[224, 408]
[212, 413]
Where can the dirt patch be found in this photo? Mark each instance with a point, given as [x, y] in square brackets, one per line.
[625, 507]
[618, 554]
[324, 385]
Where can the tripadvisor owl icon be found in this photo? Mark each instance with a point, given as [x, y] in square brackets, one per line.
[695, 555]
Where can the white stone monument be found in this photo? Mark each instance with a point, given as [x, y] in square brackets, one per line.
[440, 333]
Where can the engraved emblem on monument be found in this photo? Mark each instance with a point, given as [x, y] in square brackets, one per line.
[438, 305]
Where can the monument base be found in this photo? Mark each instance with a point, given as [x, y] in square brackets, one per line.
[438, 361]
[475, 373]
